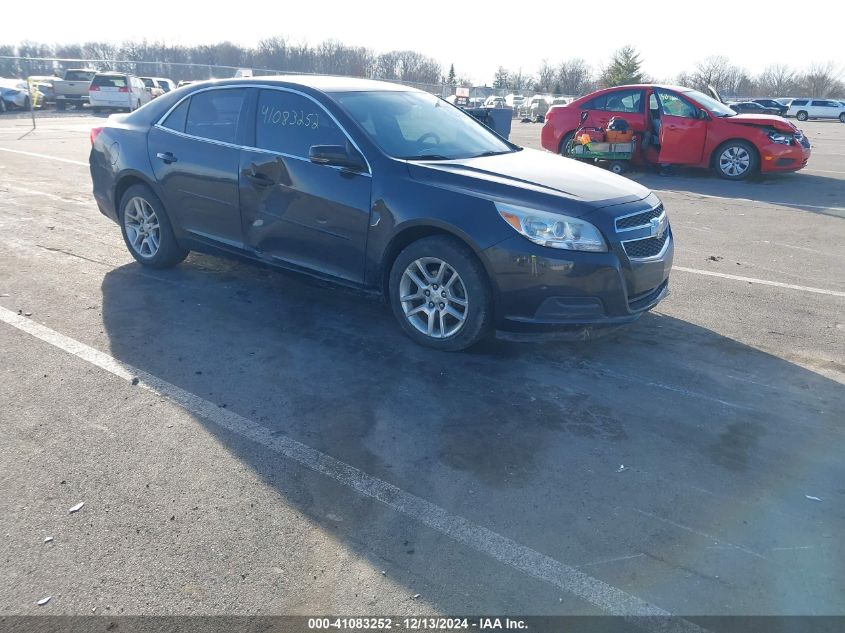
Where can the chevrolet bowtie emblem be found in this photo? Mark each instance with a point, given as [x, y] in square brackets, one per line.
[658, 226]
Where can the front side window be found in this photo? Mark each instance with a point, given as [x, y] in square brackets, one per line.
[673, 105]
[418, 126]
[289, 123]
[214, 114]
[798, 102]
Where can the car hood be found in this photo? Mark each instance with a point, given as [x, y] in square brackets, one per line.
[530, 176]
[766, 120]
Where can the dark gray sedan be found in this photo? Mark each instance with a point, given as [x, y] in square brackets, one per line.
[390, 190]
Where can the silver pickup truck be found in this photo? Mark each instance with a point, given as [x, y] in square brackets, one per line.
[73, 88]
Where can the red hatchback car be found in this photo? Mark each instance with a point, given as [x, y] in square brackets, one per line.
[681, 126]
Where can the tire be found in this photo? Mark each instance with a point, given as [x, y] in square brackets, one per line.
[735, 160]
[2, 105]
[618, 167]
[61, 105]
[565, 141]
[135, 206]
[842, 118]
[97, 110]
[802, 116]
[27, 103]
[444, 332]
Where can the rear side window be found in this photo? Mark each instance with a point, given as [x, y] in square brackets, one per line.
[617, 101]
[109, 81]
[290, 124]
[149, 83]
[214, 114]
[176, 119]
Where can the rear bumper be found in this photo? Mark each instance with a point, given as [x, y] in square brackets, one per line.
[542, 291]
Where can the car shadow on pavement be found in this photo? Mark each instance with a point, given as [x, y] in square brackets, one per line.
[803, 191]
[522, 438]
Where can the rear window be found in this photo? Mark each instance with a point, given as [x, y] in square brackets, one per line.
[214, 114]
[106, 81]
[78, 75]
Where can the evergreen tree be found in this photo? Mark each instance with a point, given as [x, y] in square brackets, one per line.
[502, 78]
[625, 67]
[451, 79]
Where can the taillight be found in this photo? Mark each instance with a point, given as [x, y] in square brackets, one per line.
[124, 89]
[95, 132]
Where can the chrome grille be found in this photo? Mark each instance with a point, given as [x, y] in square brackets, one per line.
[638, 220]
[646, 247]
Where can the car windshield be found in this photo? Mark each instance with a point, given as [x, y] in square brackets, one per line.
[420, 126]
[716, 108]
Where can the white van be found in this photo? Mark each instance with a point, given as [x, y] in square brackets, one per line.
[117, 90]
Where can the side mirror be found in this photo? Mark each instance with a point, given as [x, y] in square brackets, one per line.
[337, 156]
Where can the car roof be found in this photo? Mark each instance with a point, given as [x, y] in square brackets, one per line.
[325, 83]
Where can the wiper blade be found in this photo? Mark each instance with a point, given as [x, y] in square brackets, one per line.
[426, 157]
[493, 153]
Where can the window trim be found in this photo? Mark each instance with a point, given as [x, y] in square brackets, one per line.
[253, 110]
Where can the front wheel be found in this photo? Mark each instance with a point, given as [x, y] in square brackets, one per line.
[735, 160]
[439, 293]
[842, 117]
[802, 116]
[146, 229]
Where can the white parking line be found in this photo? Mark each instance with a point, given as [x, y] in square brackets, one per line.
[608, 598]
[693, 195]
[47, 156]
[763, 282]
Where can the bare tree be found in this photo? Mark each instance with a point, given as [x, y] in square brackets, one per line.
[574, 77]
[821, 80]
[546, 77]
[776, 81]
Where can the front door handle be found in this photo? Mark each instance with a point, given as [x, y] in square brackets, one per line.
[260, 180]
[167, 157]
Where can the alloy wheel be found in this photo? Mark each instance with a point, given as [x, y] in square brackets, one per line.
[433, 297]
[142, 227]
[734, 161]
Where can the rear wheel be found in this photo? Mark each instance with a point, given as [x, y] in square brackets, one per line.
[146, 229]
[735, 160]
[565, 141]
[842, 117]
[802, 116]
[618, 167]
[439, 293]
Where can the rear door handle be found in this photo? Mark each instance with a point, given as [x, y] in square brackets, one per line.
[167, 157]
[260, 180]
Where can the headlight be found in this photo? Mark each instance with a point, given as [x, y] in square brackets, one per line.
[553, 230]
[780, 137]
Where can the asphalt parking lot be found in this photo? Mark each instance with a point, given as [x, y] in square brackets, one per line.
[287, 450]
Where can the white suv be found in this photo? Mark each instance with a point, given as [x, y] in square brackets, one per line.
[117, 90]
[803, 109]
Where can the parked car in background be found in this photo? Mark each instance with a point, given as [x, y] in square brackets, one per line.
[385, 188]
[152, 86]
[562, 100]
[535, 108]
[15, 93]
[752, 107]
[772, 103]
[515, 101]
[165, 84]
[495, 102]
[72, 89]
[186, 82]
[803, 109]
[44, 85]
[117, 90]
[681, 126]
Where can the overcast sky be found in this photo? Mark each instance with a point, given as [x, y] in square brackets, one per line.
[476, 36]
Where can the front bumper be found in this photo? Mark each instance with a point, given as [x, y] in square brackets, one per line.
[542, 290]
[775, 157]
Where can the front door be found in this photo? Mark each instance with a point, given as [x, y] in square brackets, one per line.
[682, 131]
[195, 157]
[295, 211]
